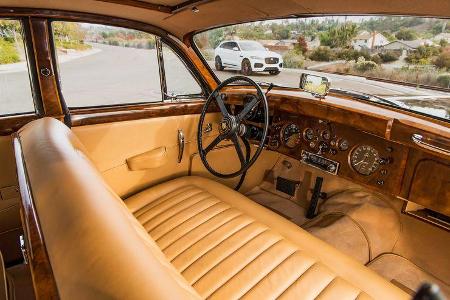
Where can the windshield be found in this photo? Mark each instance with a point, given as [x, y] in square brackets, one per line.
[403, 60]
[251, 46]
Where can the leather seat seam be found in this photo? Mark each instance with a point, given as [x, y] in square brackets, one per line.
[243, 268]
[224, 258]
[206, 235]
[163, 199]
[270, 272]
[180, 212]
[298, 278]
[224, 239]
[191, 218]
[234, 217]
[326, 286]
[172, 206]
[208, 219]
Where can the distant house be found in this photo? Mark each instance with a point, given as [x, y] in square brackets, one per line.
[442, 36]
[369, 40]
[408, 46]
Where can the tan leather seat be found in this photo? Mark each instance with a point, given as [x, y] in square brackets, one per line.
[205, 240]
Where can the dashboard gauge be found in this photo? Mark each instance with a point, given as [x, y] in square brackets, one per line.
[308, 134]
[342, 144]
[290, 135]
[326, 135]
[364, 159]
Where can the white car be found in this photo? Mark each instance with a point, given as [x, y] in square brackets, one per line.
[248, 57]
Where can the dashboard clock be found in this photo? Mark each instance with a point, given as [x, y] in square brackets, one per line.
[364, 159]
[290, 135]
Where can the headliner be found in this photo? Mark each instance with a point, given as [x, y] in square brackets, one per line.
[178, 18]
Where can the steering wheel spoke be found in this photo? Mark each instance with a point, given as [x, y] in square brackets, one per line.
[247, 108]
[221, 104]
[237, 146]
[214, 143]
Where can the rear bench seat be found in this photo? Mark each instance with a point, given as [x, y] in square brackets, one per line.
[187, 238]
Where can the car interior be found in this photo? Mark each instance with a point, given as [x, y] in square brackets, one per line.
[124, 177]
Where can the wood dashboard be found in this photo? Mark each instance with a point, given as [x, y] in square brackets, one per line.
[404, 167]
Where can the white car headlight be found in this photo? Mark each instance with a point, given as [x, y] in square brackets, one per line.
[256, 57]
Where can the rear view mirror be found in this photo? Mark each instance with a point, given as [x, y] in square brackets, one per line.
[235, 49]
[314, 84]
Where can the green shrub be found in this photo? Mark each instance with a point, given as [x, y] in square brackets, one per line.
[444, 80]
[364, 65]
[352, 54]
[293, 59]
[322, 53]
[389, 56]
[75, 45]
[376, 59]
[422, 55]
[8, 53]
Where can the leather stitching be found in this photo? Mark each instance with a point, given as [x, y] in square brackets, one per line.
[206, 235]
[297, 279]
[180, 212]
[223, 238]
[229, 255]
[172, 206]
[212, 228]
[325, 287]
[160, 200]
[243, 268]
[270, 272]
[188, 219]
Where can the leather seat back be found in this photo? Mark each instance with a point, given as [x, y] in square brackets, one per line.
[96, 247]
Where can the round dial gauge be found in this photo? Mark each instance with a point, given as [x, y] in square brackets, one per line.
[290, 135]
[364, 159]
[308, 134]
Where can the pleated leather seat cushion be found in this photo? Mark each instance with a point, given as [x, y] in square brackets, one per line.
[205, 230]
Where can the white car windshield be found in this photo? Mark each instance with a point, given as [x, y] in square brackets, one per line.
[404, 61]
[251, 46]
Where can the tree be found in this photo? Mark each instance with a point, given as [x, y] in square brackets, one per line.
[302, 45]
[406, 34]
[339, 36]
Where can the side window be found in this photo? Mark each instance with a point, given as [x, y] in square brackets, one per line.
[106, 65]
[233, 44]
[228, 46]
[179, 80]
[15, 84]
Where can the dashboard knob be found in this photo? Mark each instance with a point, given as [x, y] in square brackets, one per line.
[331, 168]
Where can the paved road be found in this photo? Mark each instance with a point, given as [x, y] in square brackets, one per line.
[127, 75]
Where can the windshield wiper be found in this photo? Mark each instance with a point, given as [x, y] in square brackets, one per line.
[365, 97]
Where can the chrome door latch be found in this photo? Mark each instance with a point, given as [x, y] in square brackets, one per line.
[180, 145]
[23, 248]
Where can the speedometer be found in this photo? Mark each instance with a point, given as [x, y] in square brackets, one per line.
[364, 159]
[290, 135]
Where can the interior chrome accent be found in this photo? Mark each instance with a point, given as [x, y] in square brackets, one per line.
[180, 145]
[208, 128]
[23, 249]
[423, 142]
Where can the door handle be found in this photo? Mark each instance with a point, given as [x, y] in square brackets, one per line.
[429, 144]
[180, 145]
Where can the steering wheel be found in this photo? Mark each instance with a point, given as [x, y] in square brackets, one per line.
[232, 127]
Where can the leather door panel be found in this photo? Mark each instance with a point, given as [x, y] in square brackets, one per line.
[10, 225]
[115, 148]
